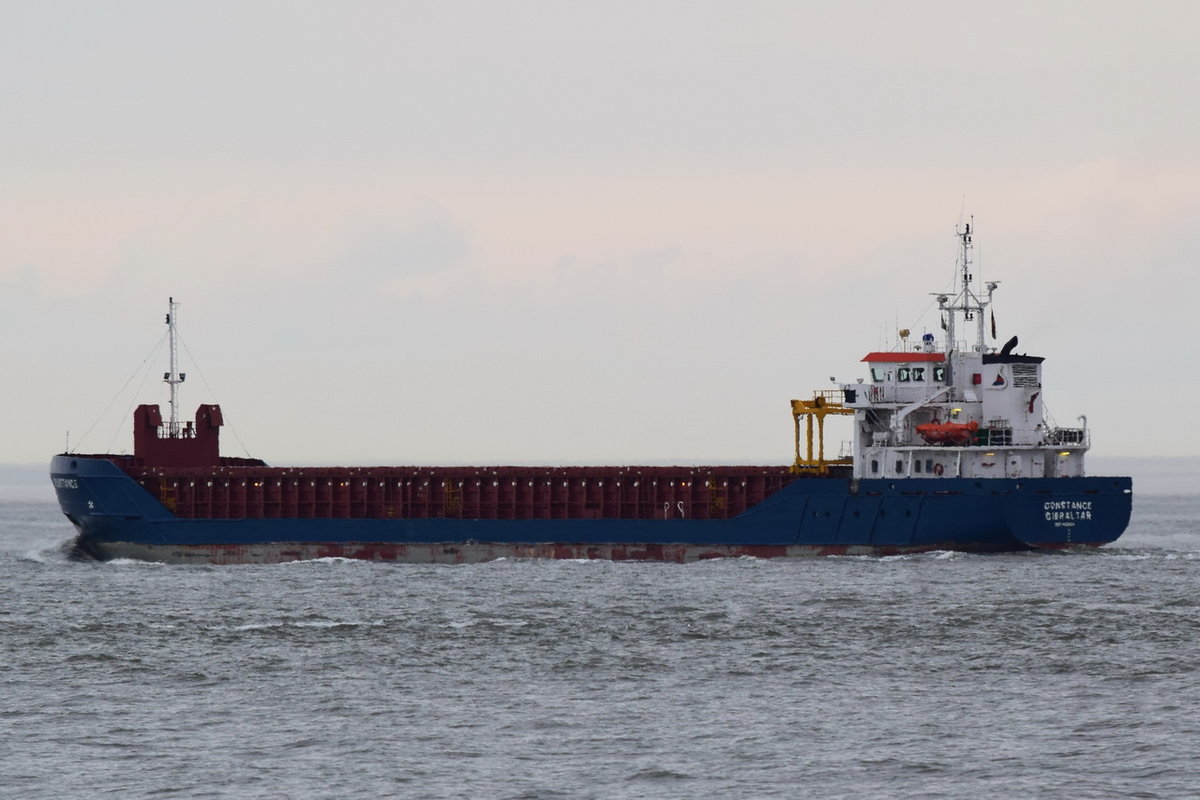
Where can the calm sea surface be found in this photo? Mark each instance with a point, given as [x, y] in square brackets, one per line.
[1066, 675]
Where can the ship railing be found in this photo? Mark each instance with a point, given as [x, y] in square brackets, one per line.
[1000, 435]
[1069, 437]
[185, 430]
[994, 436]
[885, 394]
[830, 398]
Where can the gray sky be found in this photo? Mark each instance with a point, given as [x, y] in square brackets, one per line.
[452, 232]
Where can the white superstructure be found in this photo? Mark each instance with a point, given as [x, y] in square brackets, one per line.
[942, 408]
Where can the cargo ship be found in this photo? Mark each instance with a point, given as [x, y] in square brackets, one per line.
[952, 450]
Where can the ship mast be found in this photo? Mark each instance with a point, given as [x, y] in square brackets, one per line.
[966, 302]
[174, 377]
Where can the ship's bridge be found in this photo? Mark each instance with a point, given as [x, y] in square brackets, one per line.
[903, 377]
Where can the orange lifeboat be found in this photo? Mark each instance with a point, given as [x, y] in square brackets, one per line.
[948, 432]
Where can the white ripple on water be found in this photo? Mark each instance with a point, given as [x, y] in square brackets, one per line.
[334, 623]
[497, 622]
[43, 552]
[251, 626]
[1151, 555]
[326, 624]
[948, 555]
[928, 555]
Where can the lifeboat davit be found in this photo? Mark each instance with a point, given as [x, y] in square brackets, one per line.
[948, 432]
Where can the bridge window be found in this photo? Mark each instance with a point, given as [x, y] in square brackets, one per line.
[878, 374]
[904, 374]
[918, 374]
[939, 373]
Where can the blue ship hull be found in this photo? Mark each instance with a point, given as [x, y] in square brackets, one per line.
[117, 518]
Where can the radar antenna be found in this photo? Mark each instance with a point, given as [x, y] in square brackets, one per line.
[970, 304]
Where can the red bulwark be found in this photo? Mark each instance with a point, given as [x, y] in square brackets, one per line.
[196, 444]
[475, 493]
[904, 358]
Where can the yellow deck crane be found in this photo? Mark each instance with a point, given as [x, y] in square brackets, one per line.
[822, 404]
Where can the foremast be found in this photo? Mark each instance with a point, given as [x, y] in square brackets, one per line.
[175, 443]
[174, 377]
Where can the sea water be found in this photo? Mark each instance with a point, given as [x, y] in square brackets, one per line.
[1032, 675]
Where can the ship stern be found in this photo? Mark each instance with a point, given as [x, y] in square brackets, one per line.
[1069, 512]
